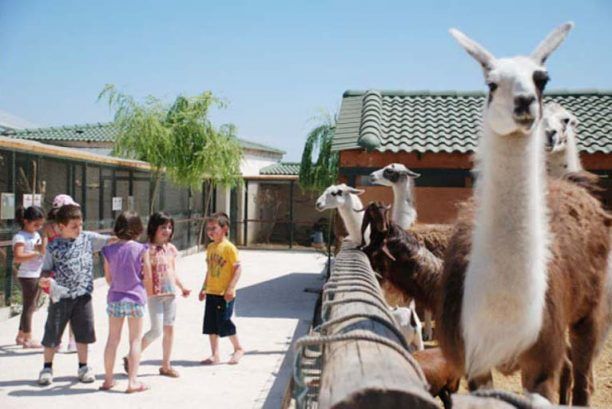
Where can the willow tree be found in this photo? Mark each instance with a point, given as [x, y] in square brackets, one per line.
[317, 174]
[178, 139]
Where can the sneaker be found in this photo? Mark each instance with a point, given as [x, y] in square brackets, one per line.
[86, 375]
[45, 377]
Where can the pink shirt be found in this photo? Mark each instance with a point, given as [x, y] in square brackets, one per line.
[162, 258]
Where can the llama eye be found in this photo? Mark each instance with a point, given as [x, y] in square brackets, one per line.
[540, 79]
[492, 86]
[565, 121]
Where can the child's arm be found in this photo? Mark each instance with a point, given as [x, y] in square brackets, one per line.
[185, 291]
[230, 292]
[20, 255]
[147, 279]
[107, 273]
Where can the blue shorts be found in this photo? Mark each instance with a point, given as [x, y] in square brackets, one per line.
[217, 316]
[125, 309]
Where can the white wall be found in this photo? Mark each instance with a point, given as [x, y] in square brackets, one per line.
[252, 161]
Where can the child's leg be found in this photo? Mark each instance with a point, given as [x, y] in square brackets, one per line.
[238, 351]
[29, 290]
[167, 346]
[156, 315]
[110, 351]
[48, 354]
[214, 349]
[135, 329]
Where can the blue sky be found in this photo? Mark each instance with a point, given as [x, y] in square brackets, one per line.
[277, 63]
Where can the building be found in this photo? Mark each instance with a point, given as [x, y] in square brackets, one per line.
[435, 134]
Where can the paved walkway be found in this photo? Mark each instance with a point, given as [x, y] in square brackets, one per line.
[272, 309]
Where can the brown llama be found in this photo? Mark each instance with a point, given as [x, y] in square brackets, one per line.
[528, 257]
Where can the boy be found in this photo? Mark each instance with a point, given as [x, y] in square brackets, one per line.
[219, 289]
[70, 257]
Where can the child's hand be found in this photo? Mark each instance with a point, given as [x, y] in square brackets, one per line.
[202, 296]
[112, 240]
[229, 295]
[186, 292]
[44, 282]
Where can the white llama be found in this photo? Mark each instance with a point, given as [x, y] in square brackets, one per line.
[506, 279]
[346, 200]
[560, 128]
[400, 179]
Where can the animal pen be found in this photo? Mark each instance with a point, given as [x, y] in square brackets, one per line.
[356, 357]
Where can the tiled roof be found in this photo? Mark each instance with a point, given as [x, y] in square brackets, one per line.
[450, 121]
[281, 168]
[99, 132]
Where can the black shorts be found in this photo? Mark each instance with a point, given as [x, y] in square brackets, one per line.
[79, 312]
[217, 316]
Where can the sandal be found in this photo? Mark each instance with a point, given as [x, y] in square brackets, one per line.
[171, 373]
[140, 388]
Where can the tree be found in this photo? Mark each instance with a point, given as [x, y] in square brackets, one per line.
[178, 139]
[318, 175]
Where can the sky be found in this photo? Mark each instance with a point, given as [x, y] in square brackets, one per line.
[277, 64]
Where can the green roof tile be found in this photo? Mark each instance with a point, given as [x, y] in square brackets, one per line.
[99, 132]
[449, 121]
[281, 168]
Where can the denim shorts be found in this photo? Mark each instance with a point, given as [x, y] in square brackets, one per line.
[218, 316]
[125, 309]
[79, 312]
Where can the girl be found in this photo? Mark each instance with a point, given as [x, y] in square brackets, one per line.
[127, 270]
[28, 248]
[51, 231]
[162, 299]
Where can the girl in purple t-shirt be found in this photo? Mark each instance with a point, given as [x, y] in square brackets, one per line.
[127, 270]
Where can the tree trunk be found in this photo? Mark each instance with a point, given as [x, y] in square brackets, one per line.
[156, 181]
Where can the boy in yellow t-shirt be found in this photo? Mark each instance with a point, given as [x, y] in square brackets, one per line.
[219, 289]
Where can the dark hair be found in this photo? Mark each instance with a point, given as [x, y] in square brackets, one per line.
[128, 225]
[156, 220]
[30, 214]
[67, 213]
[221, 218]
[52, 215]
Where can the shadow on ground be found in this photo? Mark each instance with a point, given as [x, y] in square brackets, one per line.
[282, 297]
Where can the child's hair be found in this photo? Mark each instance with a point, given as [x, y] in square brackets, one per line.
[30, 214]
[67, 213]
[52, 215]
[221, 218]
[156, 220]
[128, 225]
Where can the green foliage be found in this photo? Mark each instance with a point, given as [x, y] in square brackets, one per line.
[323, 172]
[178, 139]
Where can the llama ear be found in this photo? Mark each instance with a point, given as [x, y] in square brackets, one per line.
[474, 49]
[550, 43]
[355, 191]
[410, 173]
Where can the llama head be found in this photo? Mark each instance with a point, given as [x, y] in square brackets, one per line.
[515, 84]
[336, 196]
[559, 126]
[392, 174]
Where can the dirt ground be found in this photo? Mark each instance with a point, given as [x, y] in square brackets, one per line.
[603, 379]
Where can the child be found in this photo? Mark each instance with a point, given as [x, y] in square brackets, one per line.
[52, 232]
[161, 298]
[28, 248]
[219, 289]
[126, 266]
[70, 257]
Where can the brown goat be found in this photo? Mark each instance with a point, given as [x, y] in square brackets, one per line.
[441, 377]
[576, 273]
[400, 258]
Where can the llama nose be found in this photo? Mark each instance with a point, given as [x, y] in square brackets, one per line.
[522, 104]
[550, 137]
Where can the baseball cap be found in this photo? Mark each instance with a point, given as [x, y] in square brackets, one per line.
[63, 200]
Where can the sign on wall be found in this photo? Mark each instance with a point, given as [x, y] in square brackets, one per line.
[117, 203]
[32, 200]
[7, 206]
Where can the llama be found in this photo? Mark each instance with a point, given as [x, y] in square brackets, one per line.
[561, 144]
[527, 259]
[400, 179]
[433, 236]
[346, 200]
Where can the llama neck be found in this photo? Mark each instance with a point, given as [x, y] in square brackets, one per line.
[352, 219]
[506, 279]
[572, 156]
[404, 213]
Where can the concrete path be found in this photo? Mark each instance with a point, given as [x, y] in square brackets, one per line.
[271, 310]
